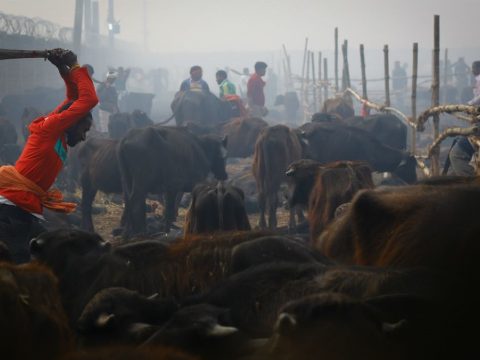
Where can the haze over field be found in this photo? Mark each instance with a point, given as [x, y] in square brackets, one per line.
[258, 25]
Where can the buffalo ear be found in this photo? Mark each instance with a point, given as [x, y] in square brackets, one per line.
[286, 324]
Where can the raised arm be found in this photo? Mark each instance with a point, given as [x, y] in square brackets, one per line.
[86, 100]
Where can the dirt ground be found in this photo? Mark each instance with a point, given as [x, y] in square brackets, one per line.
[239, 174]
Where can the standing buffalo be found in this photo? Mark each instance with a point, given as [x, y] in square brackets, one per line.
[276, 148]
[329, 142]
[120, 123]
[165, 160]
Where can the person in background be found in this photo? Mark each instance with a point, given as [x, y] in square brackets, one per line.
[255, 94]
[476, 90]
[195, 82]
[228, 93]
[108, 95]
[226, 86]
[25, 188]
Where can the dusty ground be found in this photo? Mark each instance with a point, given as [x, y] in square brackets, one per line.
[239, 173]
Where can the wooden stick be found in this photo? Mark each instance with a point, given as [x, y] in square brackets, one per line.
[436, 92]
[445, 77]
[414, 97]
[306, 94]
[474, 111]
[455, 131]
[387, 76]
[364, 76]
[319, 103]
[381, 108]
[336, 60]
[325, 76]
[314, 84]
[302, 91]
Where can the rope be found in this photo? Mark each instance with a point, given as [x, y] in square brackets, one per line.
[449, 109]
[382, 108]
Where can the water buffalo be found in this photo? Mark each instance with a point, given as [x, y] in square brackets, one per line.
[202, 108]
[8, 134]
[167, 161]
[329, 142]
[216, 207]
[120, 123]
[276, 148]
[386, 128]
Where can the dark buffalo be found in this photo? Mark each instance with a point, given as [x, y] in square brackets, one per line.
[120, 123]
[216, 207]
[98, 162]
[329, 142]
[276, 148]
[85, 264]
[386, 128]
[202, 108]
[167, 161]
[8, 134]
[34, 324]
[9, 153]
[320, 326]
[5, 255]
[129, 353]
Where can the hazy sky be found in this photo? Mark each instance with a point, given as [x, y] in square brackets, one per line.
[226, 25]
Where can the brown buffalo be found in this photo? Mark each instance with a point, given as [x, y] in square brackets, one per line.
[34, 325]
[242, 135]
[340, 105]
[216, 207]
[276, 148]
[335, 184]
[420, 225]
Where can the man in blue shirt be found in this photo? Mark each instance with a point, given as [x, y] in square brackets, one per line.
[195, 82]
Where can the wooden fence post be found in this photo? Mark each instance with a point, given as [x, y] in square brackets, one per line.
[364, 74]
[346, 70]
[414, 97]
[336, 60]
[325, 77]
[436, 92]
[319, 103]
[445, 77]
[387, 76]
[314, 85]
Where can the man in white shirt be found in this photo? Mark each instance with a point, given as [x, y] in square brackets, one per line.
[476, 90]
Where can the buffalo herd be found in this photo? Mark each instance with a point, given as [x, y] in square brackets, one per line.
[359, 271]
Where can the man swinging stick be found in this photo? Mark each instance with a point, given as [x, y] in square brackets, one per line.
[25, 187]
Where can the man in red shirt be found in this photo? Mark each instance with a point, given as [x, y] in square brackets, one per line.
[25, 187]
[255, 95]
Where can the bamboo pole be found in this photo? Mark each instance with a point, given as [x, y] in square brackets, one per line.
[314, 83]
[455, 131]
[414, 96]
[346, 70]
[445, 76]
[436, 92]
[288, 68]
[387, 76]
[325, 77]
[336, 60]
[364, 76]
[306, 95]
[319, 103]
[474, 111]
[302, 91]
